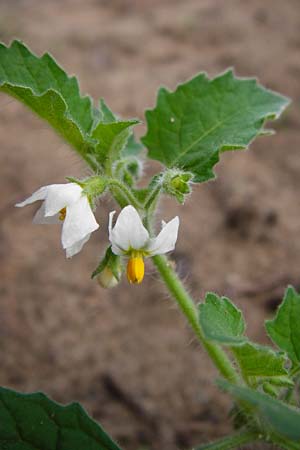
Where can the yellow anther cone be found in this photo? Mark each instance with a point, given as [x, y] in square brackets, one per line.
[135, 270]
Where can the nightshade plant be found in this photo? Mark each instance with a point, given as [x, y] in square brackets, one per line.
[187, 131]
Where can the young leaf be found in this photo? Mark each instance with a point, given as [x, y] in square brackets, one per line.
[189, 127]
[284, 330]
[46, 89]
[112, 139]
[106, 114]
[33, 421]
[282, 419]
[221, 321]
[132, 147]
[256, 360]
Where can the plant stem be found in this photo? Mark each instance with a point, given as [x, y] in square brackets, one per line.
[122, 194]
[150, 205]
[231, 442]
[188, 307]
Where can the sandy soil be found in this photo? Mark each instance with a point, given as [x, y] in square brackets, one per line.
[127, 354]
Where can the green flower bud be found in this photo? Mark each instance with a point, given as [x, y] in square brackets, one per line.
[177, 183]
[94, 186]
[129, 170]
[109, 270]
[106, 278]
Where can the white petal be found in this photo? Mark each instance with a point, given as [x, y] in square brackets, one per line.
[40, 194]
[114, 248]
[166, 240]
[75, 248]
[60, 196]
[40, 217]
[129, 231]
[79, 222]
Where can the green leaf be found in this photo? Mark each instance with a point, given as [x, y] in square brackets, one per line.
[284, 330]
[231, 442]
[46, 89]
[43, 86]
[106, 114]
[34, 422]
[282, 419]
[112, 138]
[256, 360]
[189, 127]
[221, 321]
[132, 147]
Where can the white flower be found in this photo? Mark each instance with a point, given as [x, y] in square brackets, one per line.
[130, 237]
[65, 203]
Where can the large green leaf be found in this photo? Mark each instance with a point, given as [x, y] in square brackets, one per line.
[189, 127]
[256, 360]
[221, 321]
[276, 415]
[34, 422]
[46, 89]
[284, 330]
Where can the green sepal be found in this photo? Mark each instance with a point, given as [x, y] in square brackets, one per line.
[221, 321]
[94, 186]
[33, 421]
[111, 261]
[176, 183]
[280, 381]
[284, 329]
[270, 389]
[190, 127]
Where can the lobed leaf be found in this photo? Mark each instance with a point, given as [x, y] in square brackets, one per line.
[202, 118]
[283, 420]
[43, 86]
[46, 89]
[33, 421]
[256, 360]
[221, 321]
[284, 330]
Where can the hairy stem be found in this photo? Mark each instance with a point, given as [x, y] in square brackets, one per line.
[188, 307]
[122, 194]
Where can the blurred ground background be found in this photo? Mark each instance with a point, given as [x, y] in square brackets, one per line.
[127, 354]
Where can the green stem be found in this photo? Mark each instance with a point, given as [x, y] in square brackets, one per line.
[231, 442]
[122, 194]
[294, 371]
[189, 309]
[151, 204]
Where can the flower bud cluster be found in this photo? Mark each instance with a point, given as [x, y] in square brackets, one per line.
[177, 183]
